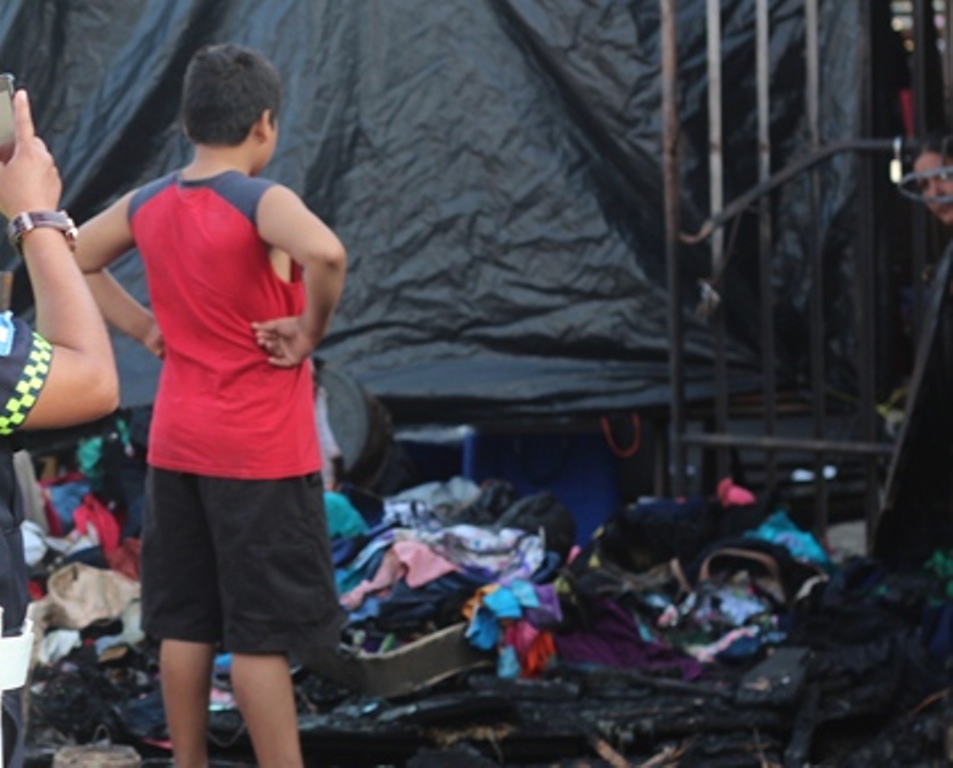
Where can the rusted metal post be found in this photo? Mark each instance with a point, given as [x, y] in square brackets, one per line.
[816, 257]
[765, 244]
[668, 40]
[716, 146]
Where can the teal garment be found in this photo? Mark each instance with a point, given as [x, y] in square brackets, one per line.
[362, 567]
[508, 663]
[780, 529]
[941, 565]
[483, 630]
[525, 593]
[344, 521]
[503, 603]
[89, 455]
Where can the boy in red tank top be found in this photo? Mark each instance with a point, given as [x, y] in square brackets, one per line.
[243, 282]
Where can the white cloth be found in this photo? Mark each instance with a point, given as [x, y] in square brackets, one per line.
[56, 644]
[15, 653]
[34, 542]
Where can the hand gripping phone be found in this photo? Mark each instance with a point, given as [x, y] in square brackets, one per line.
[7, 132]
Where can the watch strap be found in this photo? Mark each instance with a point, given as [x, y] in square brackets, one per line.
[24, 223]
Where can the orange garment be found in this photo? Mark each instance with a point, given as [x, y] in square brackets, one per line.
[540, 652]
[534, 648]
[471, 606]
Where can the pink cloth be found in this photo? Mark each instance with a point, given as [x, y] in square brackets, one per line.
[413, 561]
[520, 635]
[731, 495]
[422, 563]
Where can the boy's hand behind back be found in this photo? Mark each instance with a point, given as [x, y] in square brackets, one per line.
[284, 341]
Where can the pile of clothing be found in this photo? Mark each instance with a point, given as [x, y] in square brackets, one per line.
[710, 631]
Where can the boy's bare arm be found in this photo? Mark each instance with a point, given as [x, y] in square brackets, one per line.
[285, 222]
[101, 241]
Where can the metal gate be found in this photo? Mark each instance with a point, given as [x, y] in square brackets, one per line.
[773, 439]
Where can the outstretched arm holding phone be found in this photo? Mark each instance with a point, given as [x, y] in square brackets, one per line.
[66, 315]
[60, 374]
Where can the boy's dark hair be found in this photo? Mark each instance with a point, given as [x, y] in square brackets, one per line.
[226, 89]
[937, 142]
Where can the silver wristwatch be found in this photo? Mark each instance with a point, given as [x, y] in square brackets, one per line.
[24, 223]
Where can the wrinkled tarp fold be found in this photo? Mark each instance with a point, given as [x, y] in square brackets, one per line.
[494, 168]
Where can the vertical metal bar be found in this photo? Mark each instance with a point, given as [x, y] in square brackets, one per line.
[765, 245]
[948, 62]
[866, 267]
[816, 312]
[717, 198]
[921, 16]
[670, 176]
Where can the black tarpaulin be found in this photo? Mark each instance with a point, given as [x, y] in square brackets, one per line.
[493, 166]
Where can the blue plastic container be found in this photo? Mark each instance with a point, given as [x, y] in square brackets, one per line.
[579, 469]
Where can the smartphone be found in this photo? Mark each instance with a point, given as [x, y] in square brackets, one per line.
[7, 87]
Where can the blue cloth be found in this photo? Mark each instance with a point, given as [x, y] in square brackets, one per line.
[362, 567]
[780, 529]
[346, 550]
[370, 608]
[525, 593]
[443, 597]
[66, 498]
[503, 603]
[549, 568]
[483, 630]
[937, 630]
[508, 663]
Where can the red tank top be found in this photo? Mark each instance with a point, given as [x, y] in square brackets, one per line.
[220, 408]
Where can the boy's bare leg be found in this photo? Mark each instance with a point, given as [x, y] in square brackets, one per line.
[265, 696]
[186, 671]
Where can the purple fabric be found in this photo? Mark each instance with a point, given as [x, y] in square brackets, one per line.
[614, 641]
[549, 612]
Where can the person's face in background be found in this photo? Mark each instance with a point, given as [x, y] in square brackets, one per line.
[936, 186]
